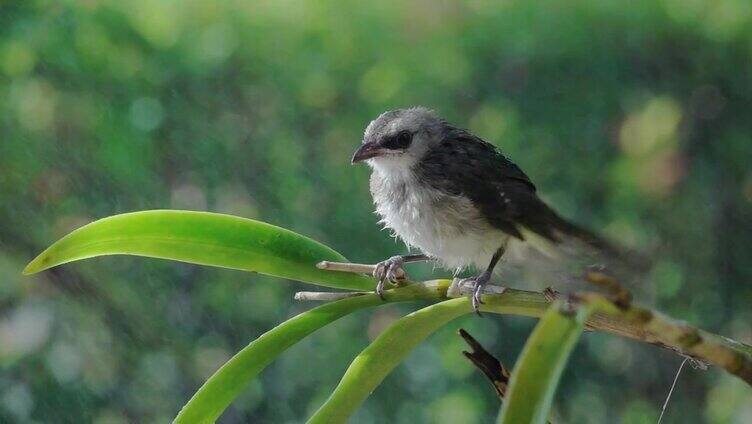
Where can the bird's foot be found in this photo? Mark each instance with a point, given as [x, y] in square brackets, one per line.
[477, 284]
[389, 270]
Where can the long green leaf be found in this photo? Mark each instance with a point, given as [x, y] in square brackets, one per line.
[228, 382]
[202, 238]
[374, 363]
[380, 357]
[536, 374]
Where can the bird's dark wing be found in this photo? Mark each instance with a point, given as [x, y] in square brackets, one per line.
[465, 165]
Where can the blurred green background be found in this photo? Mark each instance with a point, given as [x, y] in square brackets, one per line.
[632, 117]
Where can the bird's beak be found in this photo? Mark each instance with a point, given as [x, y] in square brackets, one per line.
[367, 151]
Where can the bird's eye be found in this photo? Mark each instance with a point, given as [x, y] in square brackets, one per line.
[401, 140]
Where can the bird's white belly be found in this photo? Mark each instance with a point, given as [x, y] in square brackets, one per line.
[448, 228]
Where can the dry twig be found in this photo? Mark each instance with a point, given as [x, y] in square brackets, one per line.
[487, 363]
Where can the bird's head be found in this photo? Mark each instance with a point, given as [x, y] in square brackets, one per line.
[399, 138]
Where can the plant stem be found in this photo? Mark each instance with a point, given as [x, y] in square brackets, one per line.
[630, 321]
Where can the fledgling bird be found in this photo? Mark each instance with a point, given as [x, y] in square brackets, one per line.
[455, 197]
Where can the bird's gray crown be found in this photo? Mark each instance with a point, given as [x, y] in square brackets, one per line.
[416, 119]
[399, 139]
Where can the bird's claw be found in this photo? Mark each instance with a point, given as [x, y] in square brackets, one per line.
[388, 270]
[478, 284]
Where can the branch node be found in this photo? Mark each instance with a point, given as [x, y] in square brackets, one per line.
[550, 294]
[456, 289]
[619, 295]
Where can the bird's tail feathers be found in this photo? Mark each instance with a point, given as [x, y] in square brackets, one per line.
[554, 235]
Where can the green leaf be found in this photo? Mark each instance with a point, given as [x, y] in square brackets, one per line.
[380, 357]
[203, 238]
[229, 381]
[374, 363]
[537, 372]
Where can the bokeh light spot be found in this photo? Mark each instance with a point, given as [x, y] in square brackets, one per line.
[146, 113]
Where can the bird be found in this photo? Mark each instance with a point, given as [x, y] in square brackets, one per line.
[456, 198]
